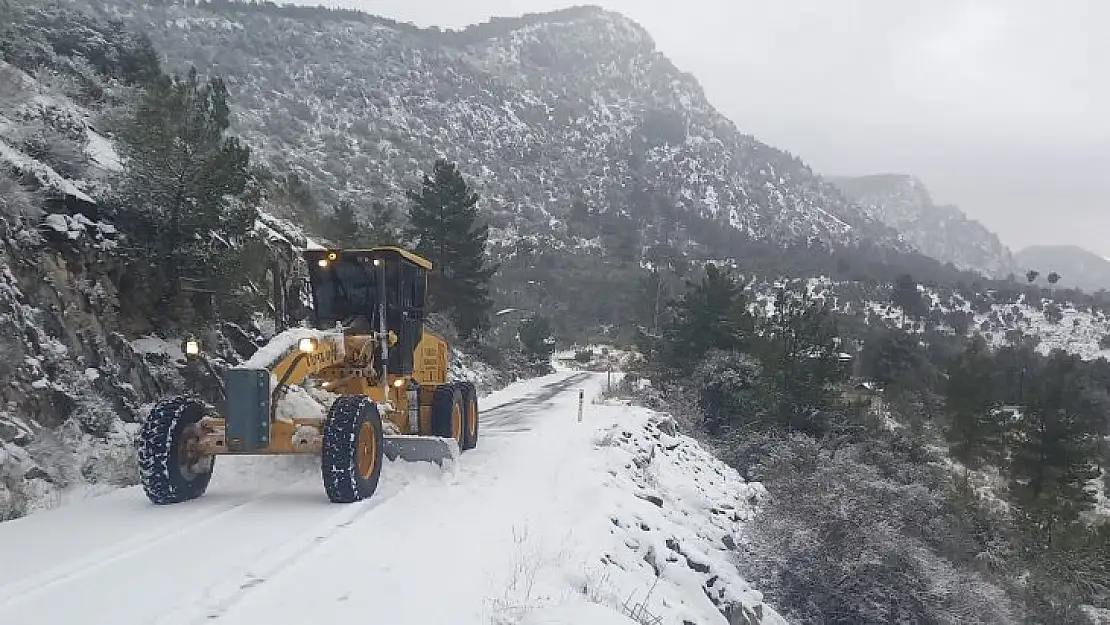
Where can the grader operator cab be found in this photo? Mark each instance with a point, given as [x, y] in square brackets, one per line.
[368, 349]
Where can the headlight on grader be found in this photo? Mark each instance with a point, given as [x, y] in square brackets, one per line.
[308, 345]
[191, 347]
[399, 382]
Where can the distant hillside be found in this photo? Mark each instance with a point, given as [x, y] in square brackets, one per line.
[940, 231]
[1077, 267]
[582, 138]
[574, 110]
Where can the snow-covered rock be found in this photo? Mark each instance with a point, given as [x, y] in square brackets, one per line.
[676, 514]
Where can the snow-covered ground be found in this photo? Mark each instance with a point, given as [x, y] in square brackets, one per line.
[549, 521]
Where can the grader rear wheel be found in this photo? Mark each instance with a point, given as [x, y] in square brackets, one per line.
[448, 413]
[470, 404]
[351, 459]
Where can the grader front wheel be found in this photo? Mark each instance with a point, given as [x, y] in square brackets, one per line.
[170, 467]
[351, 459]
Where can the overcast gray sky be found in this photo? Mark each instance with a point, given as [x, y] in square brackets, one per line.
[1000, 106]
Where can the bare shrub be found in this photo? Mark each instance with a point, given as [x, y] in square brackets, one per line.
[845, 541]
[519, 596]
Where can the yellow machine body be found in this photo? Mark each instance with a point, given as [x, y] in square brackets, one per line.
[337, 375]
[342, 362]
[367, 358]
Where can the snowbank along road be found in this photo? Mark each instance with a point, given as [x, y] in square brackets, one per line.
[533, 526]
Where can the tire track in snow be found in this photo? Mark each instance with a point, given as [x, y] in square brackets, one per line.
[528, 404]
[552, 388]
[16, 593]
[217, 599]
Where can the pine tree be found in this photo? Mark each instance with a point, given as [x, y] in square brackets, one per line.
[667, 267]
[908, 298]
[897, 361]
[1055, 453]
[184, 194]
[297, 193]
[536, 343]
[711, 315]
[444, 223]
[976, 428]
[800, 355]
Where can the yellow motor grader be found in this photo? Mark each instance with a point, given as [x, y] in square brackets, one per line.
[367, 347]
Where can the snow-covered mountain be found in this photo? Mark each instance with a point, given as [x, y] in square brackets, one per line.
[943, 232]
[548, 114]
[1077, 267]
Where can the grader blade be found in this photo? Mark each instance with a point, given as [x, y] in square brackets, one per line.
[421, 449]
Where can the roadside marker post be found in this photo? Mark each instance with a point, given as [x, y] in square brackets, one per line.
[581, 398]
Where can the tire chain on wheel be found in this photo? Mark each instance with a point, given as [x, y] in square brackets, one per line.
[339, 457]
[155, 448]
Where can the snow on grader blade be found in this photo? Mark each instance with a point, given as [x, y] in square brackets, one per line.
[367, 347]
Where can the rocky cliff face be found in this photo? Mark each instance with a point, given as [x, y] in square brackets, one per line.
[940, 231]
[74, 385]
[76, 382]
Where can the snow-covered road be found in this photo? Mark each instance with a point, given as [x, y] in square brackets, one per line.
[521, 523]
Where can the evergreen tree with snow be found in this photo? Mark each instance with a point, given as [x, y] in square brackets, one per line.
[976, 428]
[1054, 455]
[801, 357]
[537, 343]
[897, 361]
[908, 298]
[184, 199]
[444, 224]
[711, 315]
[347, 229]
